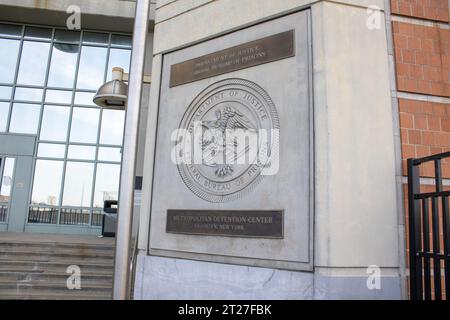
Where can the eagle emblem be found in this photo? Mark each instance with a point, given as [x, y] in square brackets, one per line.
[219, 141]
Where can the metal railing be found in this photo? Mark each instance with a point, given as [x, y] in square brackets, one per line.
[3, 212]
[67, 216]
[429, 232]
[43, 215]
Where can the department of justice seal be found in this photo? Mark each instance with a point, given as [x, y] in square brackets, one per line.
[237, 129]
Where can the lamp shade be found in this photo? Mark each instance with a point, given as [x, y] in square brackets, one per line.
[112, 95]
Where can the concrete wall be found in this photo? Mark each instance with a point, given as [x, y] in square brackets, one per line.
[109, 15]
[356, 218]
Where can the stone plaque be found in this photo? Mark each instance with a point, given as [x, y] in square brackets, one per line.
[256, 209]
[268, 49]
[252, 223]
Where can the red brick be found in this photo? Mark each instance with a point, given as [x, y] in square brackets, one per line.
[434, 123]
[408, 151]
[420, 122]
[427, 45]
[404, 8]
[437, 88]
[414, 43]
[431, 73]
[417, 72]
[424, 86]
[408, 56]
[411, 85]
[422, 151]
[404, 136]
[436, 150]
[406, 28]
[400, 41]
[426, 107]
[439, 109]
[421, 58]
[435, 60]
[428, 9]
[445, 124]
[406, 120]
[414, 137]
[402, 69]
[427, 138]
[441, 139]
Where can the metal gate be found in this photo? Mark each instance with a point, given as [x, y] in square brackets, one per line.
[429, 231]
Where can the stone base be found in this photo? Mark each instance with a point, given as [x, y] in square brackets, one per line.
[169, 278]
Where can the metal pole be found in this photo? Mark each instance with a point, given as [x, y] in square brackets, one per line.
[127, 176]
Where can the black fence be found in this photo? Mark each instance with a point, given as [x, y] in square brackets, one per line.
[3, 212]
[43, 215]
[429, 232]
[68, 216]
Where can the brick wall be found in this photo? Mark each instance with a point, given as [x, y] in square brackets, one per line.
[425, 130]
[426, 9]
[422, 56]
[422, 64]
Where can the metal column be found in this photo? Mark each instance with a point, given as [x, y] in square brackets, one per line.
[127, 177]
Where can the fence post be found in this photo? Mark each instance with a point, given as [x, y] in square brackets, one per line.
[414, 231]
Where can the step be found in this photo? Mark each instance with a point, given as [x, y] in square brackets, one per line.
[58, 251]
[50, 293]
[4, 245]
[54, 277]
[54, 285]
[55, 257]
[47, 296]
[8, 288]
[52, 267]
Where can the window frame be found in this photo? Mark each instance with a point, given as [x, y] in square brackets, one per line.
[14, 85]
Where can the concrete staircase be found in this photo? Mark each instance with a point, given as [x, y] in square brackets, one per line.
[35, 266]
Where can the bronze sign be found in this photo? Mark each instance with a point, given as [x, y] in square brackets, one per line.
[269, 49]
[251, 223]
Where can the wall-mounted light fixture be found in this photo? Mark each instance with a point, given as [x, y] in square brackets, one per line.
[113, 94]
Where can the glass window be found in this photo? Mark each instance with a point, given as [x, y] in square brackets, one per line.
[10, 50]
[109, 154]
[119, 58]
[92, 68]
[7, 179]
[95, 38]
[25, 118]
[33, 63]
[58, 96]
[81, 152]
[5, 92]
[55, 122]
[4, 110]
[112, 127]
[120, 40]
[84, 98]
[67, 35]
[84, 125]
[28, 94]
[51, 150]
[10, 30]
[63, 66]
[106, 183]
[78, 184]
[38, 33]
[47, 182]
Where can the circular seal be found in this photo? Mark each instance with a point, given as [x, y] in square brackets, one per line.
[226, 138]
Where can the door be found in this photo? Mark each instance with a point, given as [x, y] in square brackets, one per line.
[16, 162]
